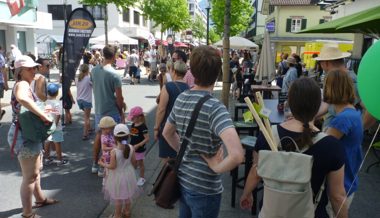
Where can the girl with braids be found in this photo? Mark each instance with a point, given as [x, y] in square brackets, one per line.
[346, 125]
[304, 99]
[120, 185]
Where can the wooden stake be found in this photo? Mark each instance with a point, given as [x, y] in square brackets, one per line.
[266, 120]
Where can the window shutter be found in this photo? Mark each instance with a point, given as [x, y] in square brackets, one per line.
[321, 21]
[303, 24]
[288, 25]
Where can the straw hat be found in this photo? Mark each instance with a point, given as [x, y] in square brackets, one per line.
[107, 122]
[331, 53]
[291, 60]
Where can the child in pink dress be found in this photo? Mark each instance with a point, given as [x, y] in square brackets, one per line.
[121, 185]
[107, 139]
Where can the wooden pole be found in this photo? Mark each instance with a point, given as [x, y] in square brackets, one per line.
[266, 120]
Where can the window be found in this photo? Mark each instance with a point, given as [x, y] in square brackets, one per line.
[144, 21]
[294, 25]
[126, 15]
[136, 17]
[191, 7]
[191, 13]
[96, 11]
[271, 9]
[58, 11]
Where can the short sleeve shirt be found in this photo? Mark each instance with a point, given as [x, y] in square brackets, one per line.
[349, 123]
[213, 119]
[290, 76]
[137, 136]
[109, 141]
[104, 83]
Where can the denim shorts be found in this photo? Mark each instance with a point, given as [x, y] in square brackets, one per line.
[98, 117]
[23, 148]
[196, 205]
[56, 136]
[82, 104]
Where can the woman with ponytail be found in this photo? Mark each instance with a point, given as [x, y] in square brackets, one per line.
[120, 186]
[346, 125]
[304, 98]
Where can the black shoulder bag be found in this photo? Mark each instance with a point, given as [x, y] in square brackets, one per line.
[166, 188]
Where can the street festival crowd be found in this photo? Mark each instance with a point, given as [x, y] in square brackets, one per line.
[327, 124]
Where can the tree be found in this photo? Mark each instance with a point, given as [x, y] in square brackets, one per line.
[120, 4]
[226, 53]
[198, 28]
[241, 12]
[172, 14]
[214, 37]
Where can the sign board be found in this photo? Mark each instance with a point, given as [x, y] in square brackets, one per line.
[151, 39]
[270, 26]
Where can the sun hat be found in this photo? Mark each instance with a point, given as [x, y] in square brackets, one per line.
[25, 61]
[134, 112]
[331, 53]
[291, 60]
[52, 88]
[121, 130]
[107, 122]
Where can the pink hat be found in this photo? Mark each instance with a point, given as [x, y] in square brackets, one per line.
[134, 112]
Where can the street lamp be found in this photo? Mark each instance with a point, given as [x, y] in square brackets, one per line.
[208, 21]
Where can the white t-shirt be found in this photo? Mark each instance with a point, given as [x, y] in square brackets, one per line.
[146, 56]
[54, 107]
[153, 56]
[84, 89]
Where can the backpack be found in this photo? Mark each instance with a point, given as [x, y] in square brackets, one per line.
[287, 182]
[284, 68]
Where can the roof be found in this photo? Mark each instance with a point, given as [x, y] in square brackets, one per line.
[293, 2]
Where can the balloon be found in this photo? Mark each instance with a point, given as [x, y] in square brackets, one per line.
[369, 80]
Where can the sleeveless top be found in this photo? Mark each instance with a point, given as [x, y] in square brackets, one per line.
[173, 89]
[16, 106]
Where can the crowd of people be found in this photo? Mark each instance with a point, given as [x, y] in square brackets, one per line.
[214, 147]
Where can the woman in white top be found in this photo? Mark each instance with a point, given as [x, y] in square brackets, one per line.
[84, 97]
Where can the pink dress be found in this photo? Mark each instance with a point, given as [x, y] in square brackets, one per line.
[109, 141]
[121, 183]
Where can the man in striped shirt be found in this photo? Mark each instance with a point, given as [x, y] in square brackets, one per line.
[203, 162]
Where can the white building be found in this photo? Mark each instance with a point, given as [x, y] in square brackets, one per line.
[19, 28]
[194, 11]
[130, 22]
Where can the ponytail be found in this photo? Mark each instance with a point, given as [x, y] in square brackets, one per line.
[306, 136]
[124, 140]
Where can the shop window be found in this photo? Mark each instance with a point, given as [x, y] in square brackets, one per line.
[58, 11]
[98, 11]
[136, 17]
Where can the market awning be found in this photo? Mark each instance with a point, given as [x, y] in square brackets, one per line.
[180, 45]
[366, 22]
[164, 42]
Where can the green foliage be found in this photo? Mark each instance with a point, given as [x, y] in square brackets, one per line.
[198, 28]
[241, 11]
[119, 3]
[214, 37]
[172, 14]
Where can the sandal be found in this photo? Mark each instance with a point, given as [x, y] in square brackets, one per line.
[33, 215]
[2, 114]
[45, 202]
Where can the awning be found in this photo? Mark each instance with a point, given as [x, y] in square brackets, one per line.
[114, 37]
[47, 38]
[164, 42]
[180, 45]
[366, 22]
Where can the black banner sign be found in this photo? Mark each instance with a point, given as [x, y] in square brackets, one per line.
[78, 30]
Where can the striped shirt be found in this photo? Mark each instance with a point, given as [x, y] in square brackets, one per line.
[213, 119]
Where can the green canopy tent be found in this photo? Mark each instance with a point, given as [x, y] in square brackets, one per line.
[366, 22]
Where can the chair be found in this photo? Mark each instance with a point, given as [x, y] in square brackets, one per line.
[376, 152]
[248, 143]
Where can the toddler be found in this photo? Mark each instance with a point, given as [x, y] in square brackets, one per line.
[107, 139]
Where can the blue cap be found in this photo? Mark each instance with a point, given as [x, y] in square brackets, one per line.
[52, 89]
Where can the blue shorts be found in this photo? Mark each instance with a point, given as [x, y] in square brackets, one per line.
[98, 117]
[56, 136]
[82, 104]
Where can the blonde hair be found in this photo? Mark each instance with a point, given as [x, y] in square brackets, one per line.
[84, 70]
[339, 88]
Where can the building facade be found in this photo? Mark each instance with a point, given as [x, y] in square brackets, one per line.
[130, 22]
[18, 22]
[285, 18]
[255, 31]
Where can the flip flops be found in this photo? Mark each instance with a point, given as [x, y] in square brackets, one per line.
[46, 202]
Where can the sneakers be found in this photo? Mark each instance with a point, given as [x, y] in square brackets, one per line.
[94, 168]
[47, 161]
[62, 162]
[141, 181]
[101, 172]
